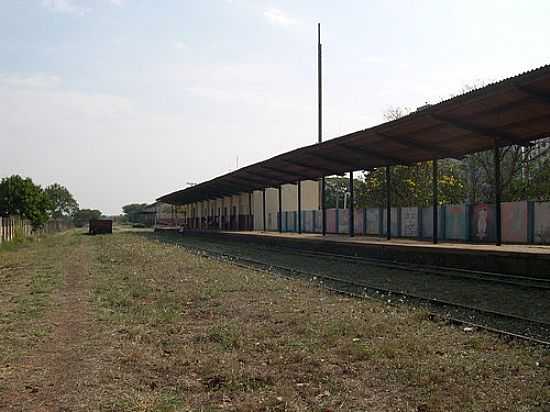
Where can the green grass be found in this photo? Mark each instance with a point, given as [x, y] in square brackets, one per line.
[30, 272]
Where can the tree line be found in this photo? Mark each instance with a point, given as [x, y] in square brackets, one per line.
[525, 175]
[22, 197]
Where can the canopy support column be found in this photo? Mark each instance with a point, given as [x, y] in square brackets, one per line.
[498, 196]
[435, 176]
[388, 203]
[231, 212]
[323, 208]
[280, 217]
[299, 184]
[250, 219]
[351, 203]
[263, 206]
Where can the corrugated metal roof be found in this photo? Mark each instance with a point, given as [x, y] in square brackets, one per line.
[511, 111]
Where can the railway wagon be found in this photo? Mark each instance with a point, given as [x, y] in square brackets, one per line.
[100, 227]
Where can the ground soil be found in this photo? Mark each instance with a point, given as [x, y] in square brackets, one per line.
[127, 323]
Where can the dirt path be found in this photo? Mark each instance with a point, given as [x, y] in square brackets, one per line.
[51, 377]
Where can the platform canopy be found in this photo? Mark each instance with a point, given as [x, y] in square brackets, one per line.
[514, 111]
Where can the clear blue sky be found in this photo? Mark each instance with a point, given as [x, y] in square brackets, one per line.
[125, 100]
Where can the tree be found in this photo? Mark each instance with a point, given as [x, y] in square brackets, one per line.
[62, 202]
[20, 196]
[412, 185]
[337, 189]
[134, 212]
[83, 216]
[519, 166]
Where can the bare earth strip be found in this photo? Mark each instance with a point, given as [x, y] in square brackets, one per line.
[136, 325]
[50, 376]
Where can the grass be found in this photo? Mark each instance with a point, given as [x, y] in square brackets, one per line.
[28, 275]
[171, 331]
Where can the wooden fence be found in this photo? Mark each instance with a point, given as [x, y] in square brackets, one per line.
[14, 226]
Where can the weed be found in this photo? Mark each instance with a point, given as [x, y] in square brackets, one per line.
[227, 335]
[167, 402]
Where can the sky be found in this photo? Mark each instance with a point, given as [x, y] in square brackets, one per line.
[122, 101]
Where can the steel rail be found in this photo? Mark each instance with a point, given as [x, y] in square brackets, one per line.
[270, 268]
[482, 276]
[435, 270]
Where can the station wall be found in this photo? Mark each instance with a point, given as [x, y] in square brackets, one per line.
[541, 222]
[522, 222]
[289, 201]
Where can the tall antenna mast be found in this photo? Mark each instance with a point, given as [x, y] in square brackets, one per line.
[322, 204]
[320, 79]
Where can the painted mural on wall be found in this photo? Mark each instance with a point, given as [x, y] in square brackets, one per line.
[358, 221]
[331, 221]
[308, 221]
[291, 221]
[394, 222]
[318, 221]
[409, 221]
[272, 223]
[483, 223]
[455, 222]
[542, 222]
[343, 220]
[373, 221]
[427, 222]
[514, 222]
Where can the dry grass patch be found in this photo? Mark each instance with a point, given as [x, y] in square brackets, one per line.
[166, 330]
[29, 272]
[216, 337]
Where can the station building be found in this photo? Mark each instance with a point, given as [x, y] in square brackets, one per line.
[243, 211]
[286, 192]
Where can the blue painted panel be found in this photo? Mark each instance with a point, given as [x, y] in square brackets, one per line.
[455, 222]
[373, 221]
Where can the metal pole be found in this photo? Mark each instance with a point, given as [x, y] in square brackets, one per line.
[299, 206]
[323, 208]
[231, 212]
[320, 81]
[497, 196]
[250, 220]
[388, 203]
[320, 120]
[351, 216]
[263, 206]
[280, 219]
[435, 176]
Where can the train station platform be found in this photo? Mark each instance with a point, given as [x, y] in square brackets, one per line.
[522, 260]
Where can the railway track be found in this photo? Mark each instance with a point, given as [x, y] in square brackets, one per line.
[504, 324]
[489, 277]
[525, 282]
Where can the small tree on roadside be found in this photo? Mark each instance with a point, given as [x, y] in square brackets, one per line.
[61, 201]
[20, 196]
